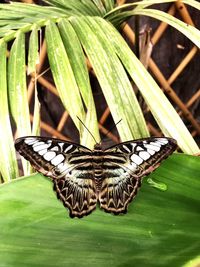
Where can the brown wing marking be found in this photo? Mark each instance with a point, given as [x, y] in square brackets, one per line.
[78, 195]
[116, 193]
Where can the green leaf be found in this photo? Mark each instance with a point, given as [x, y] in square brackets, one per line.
[33, 60]
[36, 115]
[17, 90]
[8, 163]
[121, 9]
[112, 77]
[109, 4]
[17, 86]
[192, 3]
[162, 110]
[119, 14]
[193, 263]
[100, 6]
[189, 31]
[78, 64]
[33, 54]
[11, 19]
[84, 7]
[63, 74]
[28, 11]
[160, 228]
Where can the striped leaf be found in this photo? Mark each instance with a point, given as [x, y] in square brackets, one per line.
[17, 90]
[8, 163]
[112, 78]
[78, 63]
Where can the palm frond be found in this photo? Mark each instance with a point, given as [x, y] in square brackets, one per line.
[73, 30]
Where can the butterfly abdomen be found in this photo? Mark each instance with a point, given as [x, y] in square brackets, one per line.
[97, 162]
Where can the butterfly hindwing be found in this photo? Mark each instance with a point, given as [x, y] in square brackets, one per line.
[138, 158]
[78, 196]
[116, 193]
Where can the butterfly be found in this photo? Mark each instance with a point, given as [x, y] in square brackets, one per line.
[83, 177]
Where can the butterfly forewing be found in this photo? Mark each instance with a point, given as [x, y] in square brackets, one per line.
[82, 177]
[51, 157]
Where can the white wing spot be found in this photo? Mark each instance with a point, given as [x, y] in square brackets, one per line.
[68, 148]
[139, 148]
[38, 144]
[162, 141]
[58, 159]
[155, 148]
[150, 151]
[133, 166]
[55, 148]
[126, 148]
[145, 155]
[152, 147]
[155, 144]
[62, 167]
[49, 155]
[40, 147]
[30, 141]
[136, 159]
[61, 145]
[42, 152]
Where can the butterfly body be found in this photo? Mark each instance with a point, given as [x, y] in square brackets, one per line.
[83, 177]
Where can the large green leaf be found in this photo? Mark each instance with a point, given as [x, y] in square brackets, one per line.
[160, 228]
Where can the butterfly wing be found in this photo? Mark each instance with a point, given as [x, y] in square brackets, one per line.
[78, 196]
[68, 165]
[124, 166]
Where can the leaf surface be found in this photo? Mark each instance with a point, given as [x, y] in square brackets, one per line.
[160, 228]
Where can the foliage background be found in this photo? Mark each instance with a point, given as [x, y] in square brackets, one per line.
[161, 228]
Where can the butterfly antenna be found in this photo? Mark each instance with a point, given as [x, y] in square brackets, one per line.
[106, 134]
[87, 129]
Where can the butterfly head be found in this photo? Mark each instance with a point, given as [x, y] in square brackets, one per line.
[98, 146]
